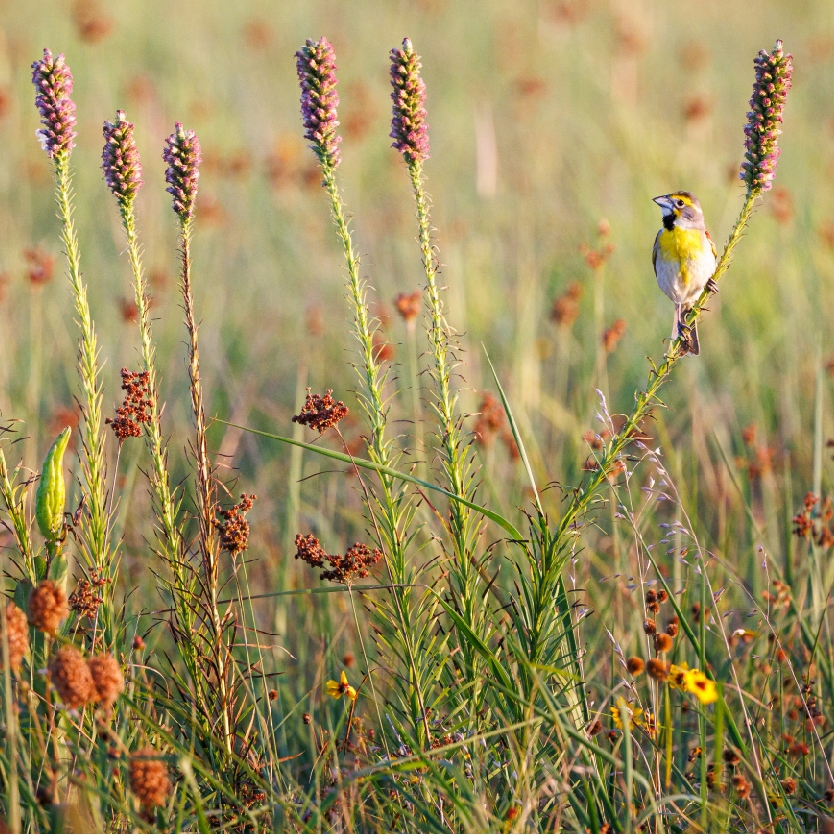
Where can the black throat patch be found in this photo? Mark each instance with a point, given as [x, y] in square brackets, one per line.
[669, 222]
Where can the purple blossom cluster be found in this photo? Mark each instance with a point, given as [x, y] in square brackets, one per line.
[770, 89]
[183, 157]
[53, 81]
[316, 66]
[408, 124]
[120, 159]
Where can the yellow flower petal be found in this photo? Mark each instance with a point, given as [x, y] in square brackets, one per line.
[333, 689]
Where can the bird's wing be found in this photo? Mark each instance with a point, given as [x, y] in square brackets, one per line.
[654, 251]
[712, 245]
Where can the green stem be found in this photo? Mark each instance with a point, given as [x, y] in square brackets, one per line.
[97, 551]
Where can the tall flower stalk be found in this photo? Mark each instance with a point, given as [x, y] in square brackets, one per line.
[53, 82]
[410, 134]
[183, 156]
[316, 68]
[123, 174]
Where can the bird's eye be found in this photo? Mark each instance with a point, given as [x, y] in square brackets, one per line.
[679, 203]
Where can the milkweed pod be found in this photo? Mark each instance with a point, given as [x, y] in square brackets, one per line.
[52, 492]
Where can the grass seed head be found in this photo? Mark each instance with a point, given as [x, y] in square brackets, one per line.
[149, 778]
[108, 680]
[47, 607]
[17, 636]
[72, 677]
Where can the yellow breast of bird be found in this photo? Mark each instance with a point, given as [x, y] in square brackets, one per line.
[681, 246]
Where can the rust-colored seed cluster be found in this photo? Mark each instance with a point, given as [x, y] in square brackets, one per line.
[40, 265]
[612, 335]
[108, 680]
[86, 598]
[657, 669]
[408, 305]
[149, 778]
[346, 569]
[71, 676]
[816, 520]
[491, 422]
[136, 409]
[635, 665]
[234, 530]
[565, 310]
[17, 636]
[320, 412]
[47, 607]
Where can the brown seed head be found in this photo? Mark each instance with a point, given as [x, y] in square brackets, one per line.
[320, 412]
[672, 628]
[71, 677]
[663, 642]
[108, 681]
[788, 785]
[408, 305]
[234, 529]
[742, 786]
[649, 626]
[149, 778]
[17, 636]
[657, 669]
[635, 665]
[47, 607]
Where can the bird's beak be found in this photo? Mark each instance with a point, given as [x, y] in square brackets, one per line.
[664, 202]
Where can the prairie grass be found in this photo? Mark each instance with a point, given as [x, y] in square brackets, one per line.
[529, 568]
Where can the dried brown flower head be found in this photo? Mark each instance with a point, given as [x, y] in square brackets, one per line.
[490, 419]
[408, 305]
[149, 778]
[85, 599]
[354, 565]
[71, 677]
[612, 336]
[594, 727]
[320, 412]
[565, 310]
[649, 626]
[731, 756]
[657, 669]
[234, 529]
[135, 412]
[672, 628]
[17, 636]
[742, 786]
[663, 642]
[635, 665]
[47, 607]
[108, 680]
[40, 265]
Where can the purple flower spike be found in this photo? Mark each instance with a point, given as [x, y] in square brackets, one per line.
[408, 125]
[770, 89]
[182, 154]
[316, 66]
[53, 81]
[120, 159]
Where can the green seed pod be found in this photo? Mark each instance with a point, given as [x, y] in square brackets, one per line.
[52, 492]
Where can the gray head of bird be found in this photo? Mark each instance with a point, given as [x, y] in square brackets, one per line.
[681, 209]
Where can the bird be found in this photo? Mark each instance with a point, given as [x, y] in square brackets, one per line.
[684, 259]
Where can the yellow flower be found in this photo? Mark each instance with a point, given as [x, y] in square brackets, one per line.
[635, 715]
[337, 689]
[677, 676]
[696, 682]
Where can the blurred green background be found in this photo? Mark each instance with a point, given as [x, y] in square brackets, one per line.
[552, 126]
